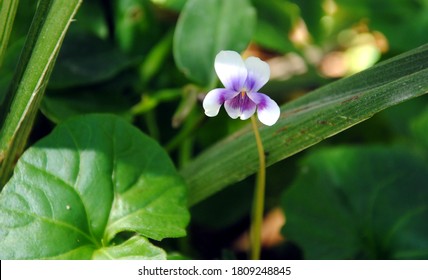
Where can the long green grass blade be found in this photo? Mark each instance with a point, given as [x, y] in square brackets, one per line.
[21, 104]
[308, 120]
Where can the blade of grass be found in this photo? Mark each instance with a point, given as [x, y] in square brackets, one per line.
[47, 31]
[7, 16]
[308, 120]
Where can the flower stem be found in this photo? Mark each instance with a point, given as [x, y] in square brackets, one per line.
[259, 197]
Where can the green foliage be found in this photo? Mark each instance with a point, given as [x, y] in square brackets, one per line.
[359, 203]
[91, 179]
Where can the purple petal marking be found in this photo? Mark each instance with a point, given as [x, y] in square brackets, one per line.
[250, 83]
[240, 106]
[237, 83]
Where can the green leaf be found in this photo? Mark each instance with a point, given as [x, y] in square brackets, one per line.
[207, 27]
[93, 177]
[308, 120]
[94, 61]
[359, 202]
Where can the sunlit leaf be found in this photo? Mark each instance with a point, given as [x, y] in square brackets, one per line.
[93, 177]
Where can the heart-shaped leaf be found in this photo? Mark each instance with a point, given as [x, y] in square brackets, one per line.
[364, 202]
[90, 179]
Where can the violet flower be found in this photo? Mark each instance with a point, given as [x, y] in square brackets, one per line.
[242, 81]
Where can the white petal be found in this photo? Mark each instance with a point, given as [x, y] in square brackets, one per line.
[215, 98]
[267, 110]
[258, 73]
[230, 69]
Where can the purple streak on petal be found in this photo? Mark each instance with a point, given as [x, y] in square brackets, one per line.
[250, 83]
[232, 107]
[248, 108]
[238, 83]
[240, 106]
[246, 103]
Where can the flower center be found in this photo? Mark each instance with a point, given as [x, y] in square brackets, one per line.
[241, 102]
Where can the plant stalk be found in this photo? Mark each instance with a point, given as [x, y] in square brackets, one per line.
[259, 197]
